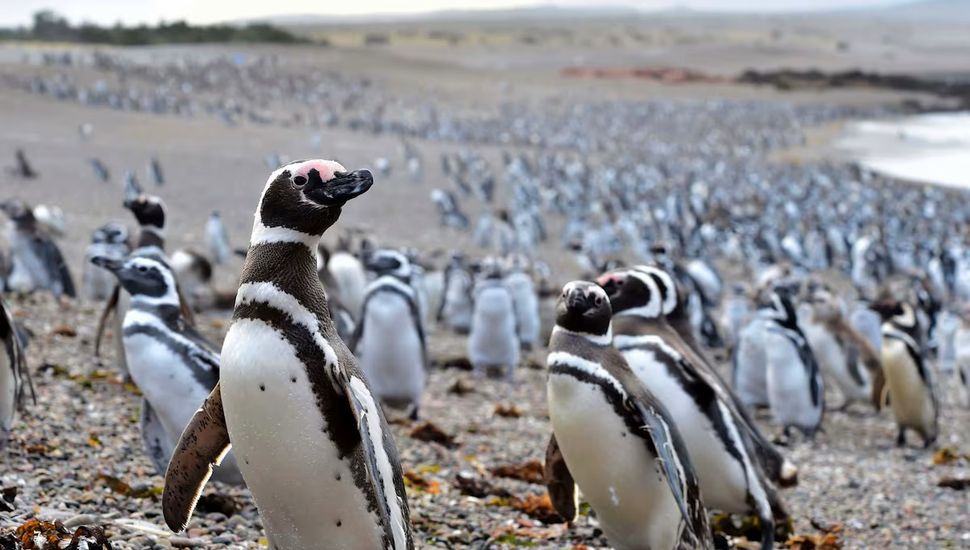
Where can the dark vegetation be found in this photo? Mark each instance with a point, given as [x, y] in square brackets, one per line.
[49, 26]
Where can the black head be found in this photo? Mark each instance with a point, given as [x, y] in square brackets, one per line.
[390, 262]
[149, 210]
[18, 211]
[143, 277]
[673, 297]
[631, 293]
[110, 233]
[782, 307]
[584, 307]
[307, 195]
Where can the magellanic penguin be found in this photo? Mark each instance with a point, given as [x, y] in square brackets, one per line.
[493, 343]
[795, 389]
[217, 238]
[111, 240]
[675, 327]
[36, 263]
[308, 433]
[457, 302]
[170, 362]
[14, 375]
[961, 339]
[389, 340]
[909, 379]
[729, 471]
[614, 439]
[526, 304]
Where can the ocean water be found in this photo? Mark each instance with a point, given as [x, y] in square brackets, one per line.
[929, 148]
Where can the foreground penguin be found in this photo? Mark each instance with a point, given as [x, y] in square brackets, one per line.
[614, 439]
[493, 343]
[171, 363]
[309, 436]
[389, 339]
[730, 474]
[795, 389]
[14, 376]
[36, 263]
[908, 378]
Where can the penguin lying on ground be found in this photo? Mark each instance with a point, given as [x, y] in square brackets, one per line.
[493, 343]
[14, 375]
[614, 439]
[729, 471]
[171, 363]
[909, 379]
[110, 241]
[36, 262]
[309, 435]
[389, 339]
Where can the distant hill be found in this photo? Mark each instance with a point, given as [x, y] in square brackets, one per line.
[957, 11]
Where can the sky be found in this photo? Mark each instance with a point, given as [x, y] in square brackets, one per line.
[18, 12]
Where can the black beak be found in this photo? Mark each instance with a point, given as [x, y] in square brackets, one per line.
[107, 263]
[336, 192]
[578, 300]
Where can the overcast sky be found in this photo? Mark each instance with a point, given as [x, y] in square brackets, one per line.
[18, 12]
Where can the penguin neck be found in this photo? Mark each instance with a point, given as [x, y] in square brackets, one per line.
[636, 324]
[170, 314]
[151, 236]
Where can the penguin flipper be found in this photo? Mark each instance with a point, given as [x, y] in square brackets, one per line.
[560, 482]
[157, 443]
[204, 443]
[109, 307]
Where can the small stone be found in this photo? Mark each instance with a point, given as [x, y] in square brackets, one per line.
[79, 520]
[183, 542]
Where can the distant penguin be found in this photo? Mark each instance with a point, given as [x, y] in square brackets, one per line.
[14, 375]
[23, 167]
[526, 304]
[36, 262]
[493, 343]
[155, 171]
[962, 354]
[389, 339]
[456, 304]
[909, 380]
[194, 274]
[100, 170]
[172, 364]
[350, 277]
[796, 393]
[111, 241]
[728, 469]
[309, 435]
[217, 238]
[614, 439]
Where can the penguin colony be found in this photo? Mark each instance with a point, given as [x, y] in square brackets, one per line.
[326, 343]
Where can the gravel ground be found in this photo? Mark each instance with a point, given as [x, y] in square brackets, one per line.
[76, 456]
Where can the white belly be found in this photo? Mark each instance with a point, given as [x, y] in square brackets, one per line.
[833, 362]
[789, 387]
[305, 494]
[612, 467]
[909, 397]
[390, 351]
[493, 341]
[750, 377]
[722, 478]
[8, 394]
[167, 384]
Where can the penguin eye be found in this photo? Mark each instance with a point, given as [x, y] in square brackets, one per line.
[620, 282]
[300, 180]
[599, 300]
[142, 269]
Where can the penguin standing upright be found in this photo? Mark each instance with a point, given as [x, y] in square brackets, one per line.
[457, 302]
[796, 392]
[310, 437]
[389, 339]
[961, 341]
[526, 304]
[110, 241]
[36, 263]
[14, 375]
[172, 364]
[217, 238]
[493, 343]
[908, 378]
[614, 439]
[729, 472]
[350, 277]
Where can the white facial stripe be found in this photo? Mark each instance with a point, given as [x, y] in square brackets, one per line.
[595, 370]
[387, 281]
[171, 293]
[266, 235]
[276, 298]
[157, 231]
[598, 339]
[134, 317]
[262, 234]
[652, 308]
[623, 341]
[670, 294]
[385, 473]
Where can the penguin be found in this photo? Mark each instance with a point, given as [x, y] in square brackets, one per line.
[170, 362]
[748, 363]
[909, 380]
[350, 278]
[614, 438]
[796, 392]
[100, 170]
[217, 238]
[457, 302]
[111, 240]
[525, 301]
[14, 376]
[844, 355]
[389, 340]
[961, 339]
[155, 171]
[676, 328]
[36, 262]
[730, 474]
[194, 274]
[493, 343]
[309, 436]
[23, 168]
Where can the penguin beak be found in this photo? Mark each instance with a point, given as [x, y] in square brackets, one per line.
[578, 300]
[107, 263]
[343, 187]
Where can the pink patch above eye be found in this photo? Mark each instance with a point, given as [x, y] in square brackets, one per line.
[609, 278]
[325, 167]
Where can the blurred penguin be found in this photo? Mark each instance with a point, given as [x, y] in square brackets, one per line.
[526, 303]
[493, 344]
[111, 241]
[36, 262]
[456, 305]
[217, 238]
[14, 375]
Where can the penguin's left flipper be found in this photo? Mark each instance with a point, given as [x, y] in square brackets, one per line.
[204, 443]
[560, 482]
